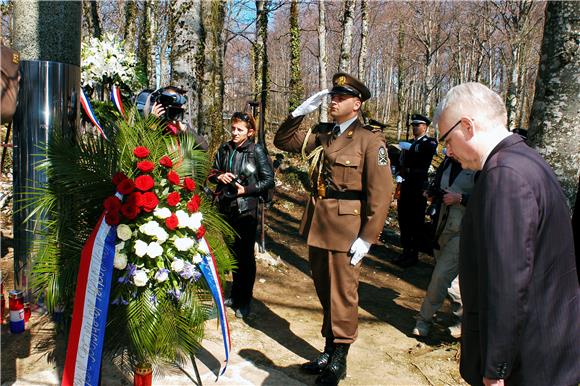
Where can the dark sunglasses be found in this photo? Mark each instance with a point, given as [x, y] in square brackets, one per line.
[442, 138]
[241, 116]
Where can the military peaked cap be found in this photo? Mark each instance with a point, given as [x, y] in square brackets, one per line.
[418, 118]
[344, 84]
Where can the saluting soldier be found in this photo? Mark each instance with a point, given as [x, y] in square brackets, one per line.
[351, 192]
[412, 203]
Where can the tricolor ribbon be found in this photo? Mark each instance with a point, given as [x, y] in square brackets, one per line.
[85, 342]
[91, 114]
[116, 98]
[209, 270]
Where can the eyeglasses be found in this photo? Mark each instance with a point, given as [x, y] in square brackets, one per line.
[241, 116]
[442, 138]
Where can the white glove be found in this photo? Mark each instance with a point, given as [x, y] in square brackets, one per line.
[310, 104]
[358, 250]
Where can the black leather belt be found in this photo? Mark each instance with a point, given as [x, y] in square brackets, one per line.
[344, 195]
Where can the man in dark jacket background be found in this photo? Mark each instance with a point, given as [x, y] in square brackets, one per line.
[518, 274]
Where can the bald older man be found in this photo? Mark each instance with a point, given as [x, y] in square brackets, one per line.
[518, 276]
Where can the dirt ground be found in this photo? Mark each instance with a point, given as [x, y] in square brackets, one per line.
[284, 328]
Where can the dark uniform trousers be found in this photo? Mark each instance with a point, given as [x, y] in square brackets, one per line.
[411, 209]
[336, 283]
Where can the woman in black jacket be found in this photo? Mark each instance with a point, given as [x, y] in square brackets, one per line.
[238, 201]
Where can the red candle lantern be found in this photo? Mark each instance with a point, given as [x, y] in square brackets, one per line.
[143, 375]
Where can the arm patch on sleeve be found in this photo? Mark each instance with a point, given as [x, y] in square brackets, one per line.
[383, 159]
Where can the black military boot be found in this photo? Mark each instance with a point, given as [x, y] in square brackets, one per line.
[317, 365]
[336, 368]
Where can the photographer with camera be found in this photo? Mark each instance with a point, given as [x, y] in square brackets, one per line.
[449, 193]
[168, 104]
[243, 174]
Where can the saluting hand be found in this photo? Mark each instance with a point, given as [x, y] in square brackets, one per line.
[310, 104]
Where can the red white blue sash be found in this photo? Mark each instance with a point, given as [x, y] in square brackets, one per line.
[91, 114]
[116, 98]
[209, 270]
[85, 342]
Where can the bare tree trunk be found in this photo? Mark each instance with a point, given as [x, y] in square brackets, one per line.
[95, 19]
[296, 86]
[186, 15]
[401, 80]
[346, 45]
[512, 91]
[211, 107]
[322, 59]
[130, 28]
[362, 57]
[554, 123]
[145, 43]
[153, 46]
[261, 64]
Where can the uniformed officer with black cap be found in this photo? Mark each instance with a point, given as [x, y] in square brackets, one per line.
[412, 203]
[351, 191]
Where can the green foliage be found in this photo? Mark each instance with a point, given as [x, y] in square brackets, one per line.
[152, 327]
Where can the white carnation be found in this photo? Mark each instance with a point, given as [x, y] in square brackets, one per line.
[161, 235]
[154, 250]
[162, 213]
[120, 261]
[149, 228]
[177, 265]
[183, 243]
[140, 278]
[124, 232]
[182, 218]
[119, 246]
[141, 248]
[195, 221]
[197, 258]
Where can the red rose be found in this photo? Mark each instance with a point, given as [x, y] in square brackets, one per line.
[112, 218]
[145, 166]
[136, 198]
[193, 204]
[141, 152]
[144, 182]
[200, 232]
[112, 204]
[126, 186]
[130, 210]
[173, 178]
[166, 161]
[189, 184]
[118, 177]
[171, 222]
[150, 201]
[173, 198]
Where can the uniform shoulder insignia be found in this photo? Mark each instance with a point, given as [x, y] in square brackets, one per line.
[383, 158]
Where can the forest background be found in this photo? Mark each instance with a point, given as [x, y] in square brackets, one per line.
[228, 53]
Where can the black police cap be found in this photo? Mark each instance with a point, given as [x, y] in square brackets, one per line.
[418, 118]
[344, 84]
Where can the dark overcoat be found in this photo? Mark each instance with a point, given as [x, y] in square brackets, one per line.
[518, 277]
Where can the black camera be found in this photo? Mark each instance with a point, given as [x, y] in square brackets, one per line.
[230, 190]
[436, 195]
[171, 101]
[171, 98]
